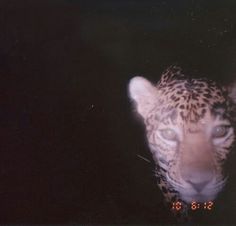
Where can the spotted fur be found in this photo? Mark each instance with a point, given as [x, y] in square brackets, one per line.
[190, 131]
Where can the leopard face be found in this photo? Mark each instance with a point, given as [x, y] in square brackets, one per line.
[190, 131]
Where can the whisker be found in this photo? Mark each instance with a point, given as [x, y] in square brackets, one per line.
[143, 158]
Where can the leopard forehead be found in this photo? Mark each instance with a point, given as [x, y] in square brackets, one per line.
[189, 97]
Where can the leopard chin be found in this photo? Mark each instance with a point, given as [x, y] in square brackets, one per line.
[200, 198]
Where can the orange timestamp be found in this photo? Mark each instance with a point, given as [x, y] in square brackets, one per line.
[193, 205]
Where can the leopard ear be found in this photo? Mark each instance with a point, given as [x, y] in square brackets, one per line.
[232, 92]
[143, 93]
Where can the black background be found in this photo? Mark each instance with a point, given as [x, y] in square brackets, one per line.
[69, 140]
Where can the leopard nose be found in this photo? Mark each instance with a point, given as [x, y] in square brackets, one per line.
[198, 186]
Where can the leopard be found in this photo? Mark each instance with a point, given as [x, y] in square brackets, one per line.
[190, 130]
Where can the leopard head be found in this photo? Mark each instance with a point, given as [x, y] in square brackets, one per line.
[190, 127]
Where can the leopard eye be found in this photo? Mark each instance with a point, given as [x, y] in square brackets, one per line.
[220, 131]
[169, 134]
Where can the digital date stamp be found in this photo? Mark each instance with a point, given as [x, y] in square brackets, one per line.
[194, 205]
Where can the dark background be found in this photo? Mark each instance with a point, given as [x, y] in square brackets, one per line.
[69, 140]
